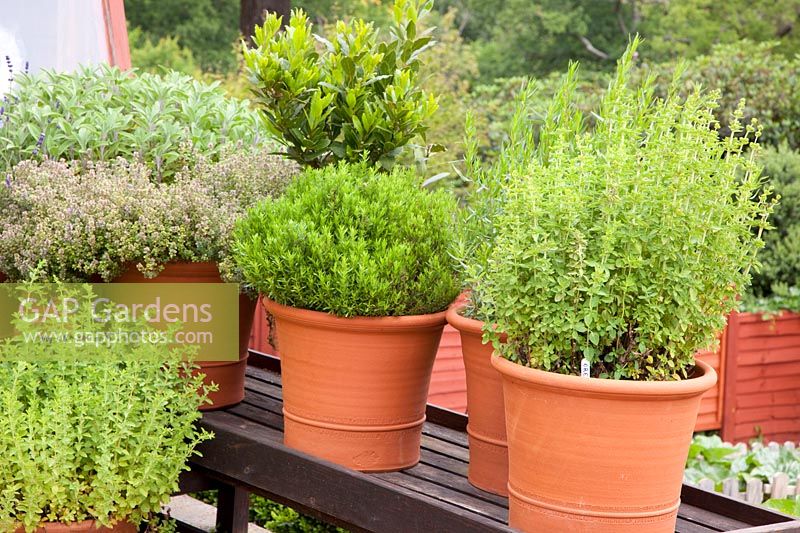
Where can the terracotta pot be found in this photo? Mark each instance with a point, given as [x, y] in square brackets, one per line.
[228, 375]
[86, 526]
[488, 450]
[597, 455]
[355, 389]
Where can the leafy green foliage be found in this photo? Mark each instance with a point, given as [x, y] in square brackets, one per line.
[282, 519]
[164, 54]
[711, 458]
[758, 73]
[626, 245]
[359, 97]
[790, 506]
[101, 113]
[777, 285]
[76, 223]
[352, 241]
[693, 27]
[207, 28]
[100, 433]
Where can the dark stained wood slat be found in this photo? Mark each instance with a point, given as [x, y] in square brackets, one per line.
[730, 508]
[427, 488]
[248, 452]
[710, 519]
[685, 526]
[443, 462]
[458, 483]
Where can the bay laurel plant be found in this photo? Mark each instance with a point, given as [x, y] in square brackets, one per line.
[100, 113]
[353, 94]
[350, 240]
[626, 245]
[80, 221]
[101, 431]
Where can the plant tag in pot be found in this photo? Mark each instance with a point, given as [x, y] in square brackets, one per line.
[585, 368]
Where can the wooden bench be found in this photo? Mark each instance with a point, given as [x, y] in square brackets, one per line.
[248, 456]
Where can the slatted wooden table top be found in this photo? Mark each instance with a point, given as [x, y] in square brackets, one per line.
[433, 496]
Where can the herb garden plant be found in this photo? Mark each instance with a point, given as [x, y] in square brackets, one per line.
[353, 94]
[97, 433]
[356, 264]
[80, 221]
[618, 252]
[100, 113]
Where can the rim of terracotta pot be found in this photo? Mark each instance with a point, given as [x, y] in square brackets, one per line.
[615, 387]
[359, 323]
[461, 322]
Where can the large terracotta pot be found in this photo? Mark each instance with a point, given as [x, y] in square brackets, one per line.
[228, 375]
[86, 526]
[597, 455]
[355, 389]
[488, 450]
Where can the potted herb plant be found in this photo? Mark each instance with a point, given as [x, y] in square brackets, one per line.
[93, 436]
[115, 222]
[355, 266]
[617, 256]
[348, 96]
[488, 449]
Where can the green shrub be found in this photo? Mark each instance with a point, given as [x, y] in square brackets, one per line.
[164, 54]
[357, 97]
[101, 113]
[96, 432]
[780, 258]
[352, 241]
[757, 72]
[628, 244]
[76, 223]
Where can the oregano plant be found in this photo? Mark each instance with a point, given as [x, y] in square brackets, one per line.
[91, 430]
[628, 244]
[352, 95]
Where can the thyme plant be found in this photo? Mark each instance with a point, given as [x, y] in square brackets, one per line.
[629, 244]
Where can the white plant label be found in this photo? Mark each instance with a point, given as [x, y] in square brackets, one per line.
[585, 368]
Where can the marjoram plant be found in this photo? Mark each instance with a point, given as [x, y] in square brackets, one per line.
[343, 98]
[627, 245]
[91, 430]
[352, 241]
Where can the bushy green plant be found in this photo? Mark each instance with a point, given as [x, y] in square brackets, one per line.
[628, 244]
[352, 241]
[713, 459]
[101, 113]
[98, 432]
[164, 54]
[776, 285]
[77, 223]
[356, 97]
[757, 72]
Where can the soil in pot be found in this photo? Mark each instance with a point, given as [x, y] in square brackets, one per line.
[488, 450]
[228, 375]
[86, 526]
[597, 455]
[355, 389]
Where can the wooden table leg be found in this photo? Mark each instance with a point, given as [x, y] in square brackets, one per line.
[233, 509]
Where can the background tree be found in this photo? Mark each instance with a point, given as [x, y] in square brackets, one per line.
[251, 13]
